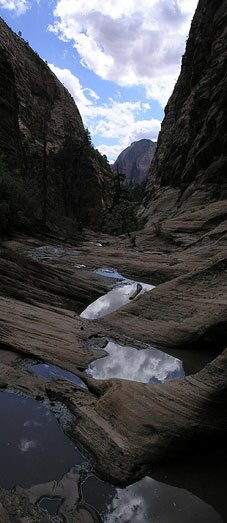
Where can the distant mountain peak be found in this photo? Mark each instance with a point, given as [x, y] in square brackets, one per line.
[134, 161]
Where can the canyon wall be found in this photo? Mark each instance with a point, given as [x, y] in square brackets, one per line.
[43, 140]
[190, 163]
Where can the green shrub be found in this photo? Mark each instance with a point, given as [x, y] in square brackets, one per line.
[121, 218]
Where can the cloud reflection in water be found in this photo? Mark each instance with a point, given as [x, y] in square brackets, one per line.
[113, 300]
[145, 365]
[149, 500]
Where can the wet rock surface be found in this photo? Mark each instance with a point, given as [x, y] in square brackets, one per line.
[67, 490]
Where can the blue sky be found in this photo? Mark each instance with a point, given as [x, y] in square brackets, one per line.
[119, 58]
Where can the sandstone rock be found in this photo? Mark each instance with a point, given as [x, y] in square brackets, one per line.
[190, 159]
[164, 420]
[16, 509]
[67, 489]
[47, 333]
[39, 283]
[134, 161]
[181, 312]
[43, 139]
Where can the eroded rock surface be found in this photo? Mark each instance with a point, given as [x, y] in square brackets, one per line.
[129, 426]
[199, 312]
[189, 166]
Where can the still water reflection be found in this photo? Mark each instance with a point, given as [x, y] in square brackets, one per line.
[53, 372]
[33, 447]
[51, 253]
[37, 455]
[114, 299]
[148, 500]
[109, 272]
[145, 365]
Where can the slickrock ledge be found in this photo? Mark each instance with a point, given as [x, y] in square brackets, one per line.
[199, 312]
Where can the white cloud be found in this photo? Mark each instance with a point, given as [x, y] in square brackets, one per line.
[111, 151]
[129, 43]
[155, 501]
[72, 83]
[25, 445]
[92, 93]
[31, 423]
[19, 6]
[121, 122]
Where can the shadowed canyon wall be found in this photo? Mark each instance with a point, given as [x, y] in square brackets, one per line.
[43, 139]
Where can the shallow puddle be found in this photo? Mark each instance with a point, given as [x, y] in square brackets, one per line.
[109, 272]
[115, 299]
[97, 244]
[38, 456]
[33, 447]
[52, 372]
[122, 293]
[145, 365]
[49, 252]
[147, 500]
[51, 505]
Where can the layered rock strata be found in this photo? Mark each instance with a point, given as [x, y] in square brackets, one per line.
[189, 166]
